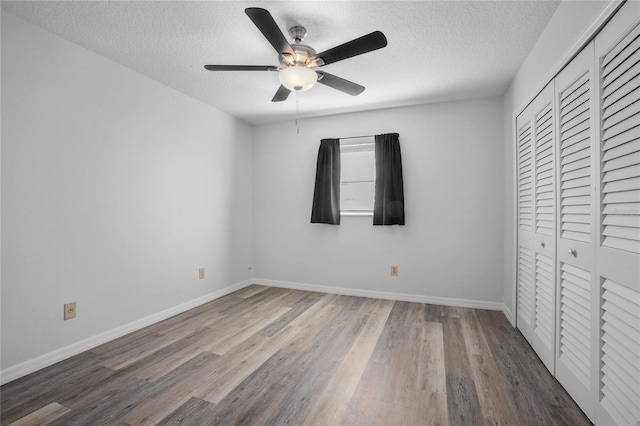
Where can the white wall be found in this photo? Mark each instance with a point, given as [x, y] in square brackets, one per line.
[451, 246]
[571, 25]
[115, 190]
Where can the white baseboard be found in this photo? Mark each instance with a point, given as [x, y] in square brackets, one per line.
[12, 373]
[35, 364]
[507, 313]
[446, 301]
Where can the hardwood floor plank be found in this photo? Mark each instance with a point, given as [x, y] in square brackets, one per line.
[415, 315]
[367, 406]
[450, 311]
[245, 329]
[148, 348]
[390, 337]
[431, 369]
[267, 355]
[335, 398]
[194, 412]
[312, 326]
[315, 312]
[299, 393]
[496, 402]
[402, 380]
[242, 305]
[57, 388]
[239, 364]
[462, 402]
[250, 291]
[472, 332]
[238, 404]
[171, 391]
[43, 416]
[298, 309]
[492, 325]
[433, 313]
[308, 371]
[455, 349]
[103, 408]
[172, 356]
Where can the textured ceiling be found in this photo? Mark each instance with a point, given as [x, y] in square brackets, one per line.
[437, 50]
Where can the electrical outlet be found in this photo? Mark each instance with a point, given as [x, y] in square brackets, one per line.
[394, 271]
[201, 273]
[69, 310]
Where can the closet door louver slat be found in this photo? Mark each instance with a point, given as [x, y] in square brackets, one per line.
[575, 176]
[525, 284]
[620, 378]
[620, 157]
[544, 299]
[575, 321]
[525, 179]
[544, 171]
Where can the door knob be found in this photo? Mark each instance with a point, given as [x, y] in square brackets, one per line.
[573, 252]
[542, 244]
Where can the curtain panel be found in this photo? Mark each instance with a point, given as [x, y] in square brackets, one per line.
[388, 206]
[326, 196]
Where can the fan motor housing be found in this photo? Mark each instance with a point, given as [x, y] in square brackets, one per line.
[302, 51]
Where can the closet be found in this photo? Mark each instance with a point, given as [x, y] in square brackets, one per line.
[578, 223]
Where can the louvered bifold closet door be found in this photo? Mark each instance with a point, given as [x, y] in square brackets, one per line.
[617, 55]
[536, 235]
[544, 136]
[577, 292]
[525, 292]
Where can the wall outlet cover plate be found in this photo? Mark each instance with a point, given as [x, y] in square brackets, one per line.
[69, 310]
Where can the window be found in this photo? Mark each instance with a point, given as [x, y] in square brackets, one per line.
[357, 176]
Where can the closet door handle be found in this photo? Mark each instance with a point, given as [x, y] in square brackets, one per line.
[542, 244]
[573, 252]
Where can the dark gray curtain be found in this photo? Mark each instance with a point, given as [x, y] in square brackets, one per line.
[388, 206]
[326, 196]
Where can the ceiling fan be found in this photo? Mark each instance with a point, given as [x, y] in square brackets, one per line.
[297, 60]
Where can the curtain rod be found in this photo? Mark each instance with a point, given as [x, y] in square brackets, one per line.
[358, 137]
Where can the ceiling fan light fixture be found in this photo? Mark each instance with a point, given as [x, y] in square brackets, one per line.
[298, 78]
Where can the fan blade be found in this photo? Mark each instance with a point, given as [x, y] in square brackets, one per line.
[367, 43]
[268, 27]
[281, 95]
[341, 84]
[241, 68]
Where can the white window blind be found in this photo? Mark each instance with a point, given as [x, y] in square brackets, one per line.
[357, 175]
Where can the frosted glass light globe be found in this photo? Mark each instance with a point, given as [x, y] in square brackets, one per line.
[297, 78]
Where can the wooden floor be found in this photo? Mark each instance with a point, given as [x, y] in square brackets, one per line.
[266, 356]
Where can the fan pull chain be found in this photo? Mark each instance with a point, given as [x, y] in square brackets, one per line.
[297, 112]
